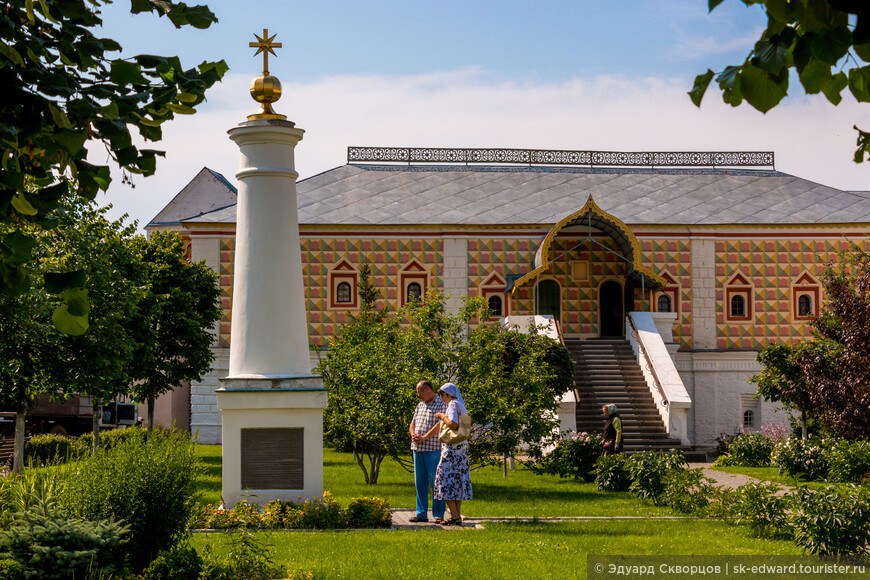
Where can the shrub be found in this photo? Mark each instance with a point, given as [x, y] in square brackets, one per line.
[368, 512]
[51, 449]
[50, 546]
[721, 504]
[249, 558]
[759, 505]
[751, 450]
[322, 514]
[181, 562]
[648, 470]
[686, 490]
[150, 485]
[574, 456]
[833, 520]
[802, 458]
[612, 473]
[849, 461]
[11, 569]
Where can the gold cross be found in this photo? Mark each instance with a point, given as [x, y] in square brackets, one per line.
[265, 45]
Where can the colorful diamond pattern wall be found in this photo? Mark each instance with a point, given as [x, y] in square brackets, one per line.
[674, 257]
[227, 251]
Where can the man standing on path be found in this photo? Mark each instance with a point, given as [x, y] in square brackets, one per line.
[426, 449]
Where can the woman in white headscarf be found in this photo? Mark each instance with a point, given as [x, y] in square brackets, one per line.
[453, 476]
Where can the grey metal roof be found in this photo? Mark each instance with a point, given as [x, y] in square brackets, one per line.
[207, 191]
[492, 195]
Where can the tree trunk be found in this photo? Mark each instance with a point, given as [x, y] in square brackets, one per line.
[95, 425]
[18, 452]
[803, 424]
[504, 459]
[150, 414]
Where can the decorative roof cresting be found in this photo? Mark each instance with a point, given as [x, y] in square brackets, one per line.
[558, 157]
[265, 89]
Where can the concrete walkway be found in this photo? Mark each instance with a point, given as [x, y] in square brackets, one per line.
[731, 480]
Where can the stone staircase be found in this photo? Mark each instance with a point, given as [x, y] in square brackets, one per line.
[606, 371]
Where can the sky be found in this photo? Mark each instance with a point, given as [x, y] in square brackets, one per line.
[548, 74]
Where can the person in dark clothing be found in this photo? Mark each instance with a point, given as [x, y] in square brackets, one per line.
[612, 430]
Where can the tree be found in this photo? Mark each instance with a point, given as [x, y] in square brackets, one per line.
[815, 38]
[509, 381]
[782, 380]
[63, 92]
[173, 324]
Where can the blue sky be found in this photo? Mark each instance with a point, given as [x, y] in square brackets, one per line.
[545, 74]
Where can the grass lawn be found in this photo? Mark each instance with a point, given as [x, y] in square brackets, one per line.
[516, 550]
[522, 493]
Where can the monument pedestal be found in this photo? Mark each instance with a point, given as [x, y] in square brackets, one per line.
[272, 438]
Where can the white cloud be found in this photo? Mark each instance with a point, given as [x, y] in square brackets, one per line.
[471, 108]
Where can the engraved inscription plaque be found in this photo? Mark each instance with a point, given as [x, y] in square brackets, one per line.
[272, 459]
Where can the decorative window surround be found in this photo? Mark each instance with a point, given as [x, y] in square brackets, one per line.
[343, 273]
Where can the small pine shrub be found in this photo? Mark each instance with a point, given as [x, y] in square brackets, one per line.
[648, 471]
[574, 456]
[181, 562]
[52, 449]
[750, 450]
[759, 505]
[849, 461]
[834, 520]
[802, 458]
[612, 473]
[687, 490]
[149, 485]
[368, 512]
[11, 569]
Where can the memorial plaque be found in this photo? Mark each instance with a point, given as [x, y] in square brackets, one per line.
[272, 459]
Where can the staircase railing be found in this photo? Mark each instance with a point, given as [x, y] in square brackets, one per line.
[667, 389]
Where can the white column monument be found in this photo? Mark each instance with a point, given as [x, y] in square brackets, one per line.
[271, 404]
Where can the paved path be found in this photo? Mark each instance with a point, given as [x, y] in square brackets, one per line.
[731, 480]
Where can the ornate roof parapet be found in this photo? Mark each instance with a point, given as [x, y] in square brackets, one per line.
[558, 157]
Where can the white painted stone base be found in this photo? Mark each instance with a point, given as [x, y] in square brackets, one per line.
[271, 403]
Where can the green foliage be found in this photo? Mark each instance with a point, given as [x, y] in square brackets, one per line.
[834, 520]
[48, 449]
[510, 381]
[368, 512]
[849, 461]
[759, 505]
[180, 562]
[65, 94]
[721, 504]
[150, 485]
[574, 456]
[649, 471]
[818, 40]
[802, 458]
[750, 450]
[250, 557]
[687, 490]
[49, 545]
[11, 569]
[612, 472]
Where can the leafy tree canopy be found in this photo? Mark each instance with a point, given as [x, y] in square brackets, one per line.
[826, 42]
[65, 95]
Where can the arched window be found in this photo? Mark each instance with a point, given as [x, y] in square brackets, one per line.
[495, 305]
[805, 305]
[664, 303]
[738, 306]
[748, 419]
[342, 293]
[414, 291]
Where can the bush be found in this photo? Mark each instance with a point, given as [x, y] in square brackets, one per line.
[574, 456]
[849, 461]
[611, 472]
[51, 449]
[686, 490]
[750, 450]
[181, 562]
[721, 504]
[11, 569]
[758, 505]
[249, 558]
[368, 512]
[150, 485]
[802, 458]
[834, 520]
[648, 471]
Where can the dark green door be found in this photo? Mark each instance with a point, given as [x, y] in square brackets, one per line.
[549, 298]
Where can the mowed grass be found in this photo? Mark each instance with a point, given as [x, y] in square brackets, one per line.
[501, 550]
[521, 494]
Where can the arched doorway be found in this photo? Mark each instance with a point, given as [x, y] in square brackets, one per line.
[549, 298]
[610, 313]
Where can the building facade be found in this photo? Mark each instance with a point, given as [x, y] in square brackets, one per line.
[730, 246]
